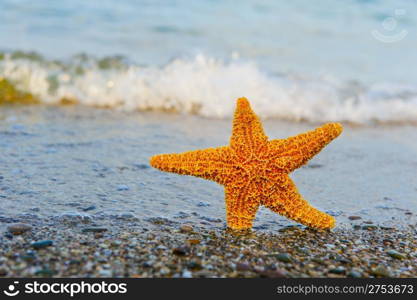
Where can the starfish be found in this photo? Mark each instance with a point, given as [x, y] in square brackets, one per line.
[255, 171]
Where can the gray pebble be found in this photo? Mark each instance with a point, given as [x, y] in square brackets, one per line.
[19, 228]
[42, 244]
[395, 254]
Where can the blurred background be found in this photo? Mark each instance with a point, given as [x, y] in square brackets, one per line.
[297, 60]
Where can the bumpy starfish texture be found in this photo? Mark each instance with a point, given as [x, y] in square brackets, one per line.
[255, 171]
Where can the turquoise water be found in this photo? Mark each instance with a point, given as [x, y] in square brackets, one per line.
[297, 60]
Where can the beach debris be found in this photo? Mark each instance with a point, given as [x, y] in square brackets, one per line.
[19, 228]
[255, 171]
[42, 244]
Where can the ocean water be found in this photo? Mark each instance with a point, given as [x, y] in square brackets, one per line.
[296, 60]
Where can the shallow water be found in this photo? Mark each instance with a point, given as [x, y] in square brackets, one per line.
[59, 161]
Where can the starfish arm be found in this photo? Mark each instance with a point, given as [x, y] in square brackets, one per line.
[247, 135]
[295, 151]
[286, 201]
[212, 163]
[242, 204]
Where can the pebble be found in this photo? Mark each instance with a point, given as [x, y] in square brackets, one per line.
[273, 274]
[354, 274]
[91, 207]
[94, 229]
[19, 228]
[181, 251]
[369, 227]
[42, 244]
[381, 271]
[186, 228]
[187, 274]
[203, 204]
[105, 273]
[354, 218]
[283, 257]
[122, 187]
[243, 267]
[338, 270]
[395, 254]
[45, 273]
[193, 265]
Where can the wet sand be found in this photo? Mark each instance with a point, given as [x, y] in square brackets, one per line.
[65, 168]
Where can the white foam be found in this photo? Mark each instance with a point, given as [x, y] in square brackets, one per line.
[209, 87]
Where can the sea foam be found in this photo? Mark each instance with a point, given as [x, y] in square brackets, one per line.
[208, 87]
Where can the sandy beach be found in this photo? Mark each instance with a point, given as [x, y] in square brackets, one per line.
[79, 177]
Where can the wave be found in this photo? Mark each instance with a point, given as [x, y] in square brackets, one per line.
[208, 87]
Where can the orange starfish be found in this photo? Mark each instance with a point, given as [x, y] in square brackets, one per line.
[255, 171]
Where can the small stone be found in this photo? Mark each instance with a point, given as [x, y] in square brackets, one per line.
[203, 204]
[283, 257]
[338, 270]
[3, 271]
[354, 274]
[42, 244]
[105, 273]
[193, 265]
[8, 235]
[395, 254]
[343, 259]
[381, 271]
[243, 267]
[193, 241]
[122, 187]
[186, 228]
[19, 228]
[187, 274]
[303, 250]
[354, 218]
[318, 260]
[88, 208]
[369, 227]
[181, 251]
[45, 273]
[273, 274]
[94, 229]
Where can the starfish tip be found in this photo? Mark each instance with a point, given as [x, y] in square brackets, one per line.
[337, 128]
[242, 102]
[155, 161]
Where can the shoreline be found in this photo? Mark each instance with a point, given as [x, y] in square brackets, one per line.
[167, 248]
